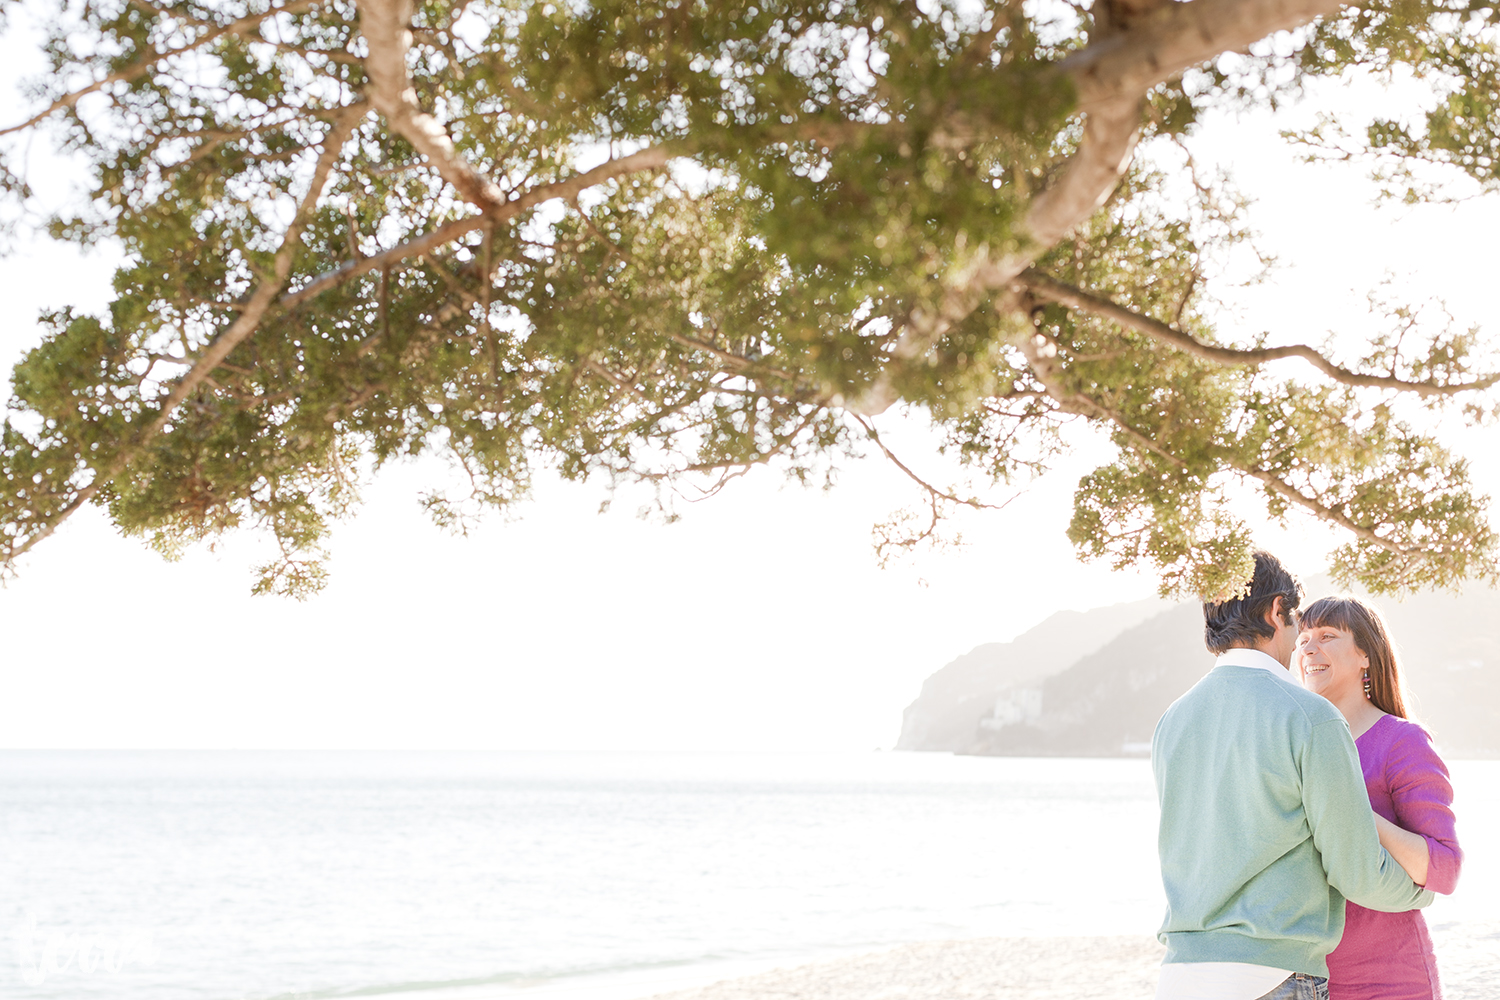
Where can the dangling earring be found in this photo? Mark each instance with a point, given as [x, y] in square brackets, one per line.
[1367, 685]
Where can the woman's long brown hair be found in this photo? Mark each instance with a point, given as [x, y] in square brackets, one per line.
[1364, 623]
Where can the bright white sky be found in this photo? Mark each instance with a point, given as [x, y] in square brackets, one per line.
[760, 621]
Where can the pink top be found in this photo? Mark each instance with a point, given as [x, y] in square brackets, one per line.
[1388, 956]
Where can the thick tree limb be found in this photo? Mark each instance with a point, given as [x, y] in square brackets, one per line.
[240, 330]
[1112, 77]
[243, 26]
[386, 25]
[1179, 36]
[1087, 181]
[1049, 289]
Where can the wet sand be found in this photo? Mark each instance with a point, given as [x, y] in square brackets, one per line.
[1082, 968]
[1119, 968]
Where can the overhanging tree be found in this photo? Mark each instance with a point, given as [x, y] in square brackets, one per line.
[666, 239]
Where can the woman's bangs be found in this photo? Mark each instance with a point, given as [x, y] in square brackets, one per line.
[1335, 612]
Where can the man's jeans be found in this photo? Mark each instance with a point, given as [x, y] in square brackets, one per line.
[1300, 986]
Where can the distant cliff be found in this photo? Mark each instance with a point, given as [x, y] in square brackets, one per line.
[1002, 681]
[1092, 684]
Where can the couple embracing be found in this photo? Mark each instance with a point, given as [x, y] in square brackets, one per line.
[1304, 820]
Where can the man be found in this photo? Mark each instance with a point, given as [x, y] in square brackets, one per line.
[1265, 825]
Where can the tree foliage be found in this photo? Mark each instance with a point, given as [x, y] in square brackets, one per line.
[649, 240]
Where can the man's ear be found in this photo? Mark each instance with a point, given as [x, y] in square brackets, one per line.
[1275, 617]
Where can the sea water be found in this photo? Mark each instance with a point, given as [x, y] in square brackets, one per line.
[181, 875]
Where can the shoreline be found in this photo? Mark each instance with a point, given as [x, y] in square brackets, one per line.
[633, 983]
[987, 968]
[1055, 968]
[1025, 968]
[1115, 967]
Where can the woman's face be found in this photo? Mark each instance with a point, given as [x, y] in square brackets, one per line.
[1330, 663]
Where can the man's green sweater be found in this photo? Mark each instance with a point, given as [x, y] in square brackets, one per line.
[1265, 824]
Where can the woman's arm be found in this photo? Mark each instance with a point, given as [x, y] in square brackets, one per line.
[1423, 798]
[1409, 849]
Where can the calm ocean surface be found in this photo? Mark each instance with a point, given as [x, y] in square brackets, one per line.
[256, 875]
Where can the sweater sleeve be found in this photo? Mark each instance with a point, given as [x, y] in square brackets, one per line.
[1343, 827]
[1423, 799]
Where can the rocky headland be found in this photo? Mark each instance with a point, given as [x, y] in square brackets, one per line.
[1093, 683]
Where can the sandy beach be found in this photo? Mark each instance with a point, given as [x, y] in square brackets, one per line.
[1082, 968]
[1121, 968]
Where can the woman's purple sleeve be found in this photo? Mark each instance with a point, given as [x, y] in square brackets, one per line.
[1423, 799]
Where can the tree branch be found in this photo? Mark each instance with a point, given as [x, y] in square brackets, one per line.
[933, 491]
[1041, 355]
[1280, 487]
[1179, 36]
[238, 331]
[386, 25]
[1050, 289]
[647, 159]
[143, 66]
[1041, 352]
[1111, 76]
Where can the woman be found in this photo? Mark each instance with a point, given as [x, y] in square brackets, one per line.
[1345, 654]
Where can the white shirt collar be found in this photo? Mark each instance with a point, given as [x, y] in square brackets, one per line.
[1241, 657]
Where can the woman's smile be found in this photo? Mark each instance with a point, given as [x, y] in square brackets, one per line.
[1331, 663]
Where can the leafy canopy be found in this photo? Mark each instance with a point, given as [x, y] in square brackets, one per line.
[649, 240]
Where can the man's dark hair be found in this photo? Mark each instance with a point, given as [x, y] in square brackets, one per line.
[1242, 621]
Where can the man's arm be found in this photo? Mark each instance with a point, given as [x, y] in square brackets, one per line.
[1409, 849]
[1343, 827]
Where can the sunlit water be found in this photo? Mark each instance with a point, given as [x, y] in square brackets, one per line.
[176, 875]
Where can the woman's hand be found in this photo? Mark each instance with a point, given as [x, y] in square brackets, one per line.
[1409, 849]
